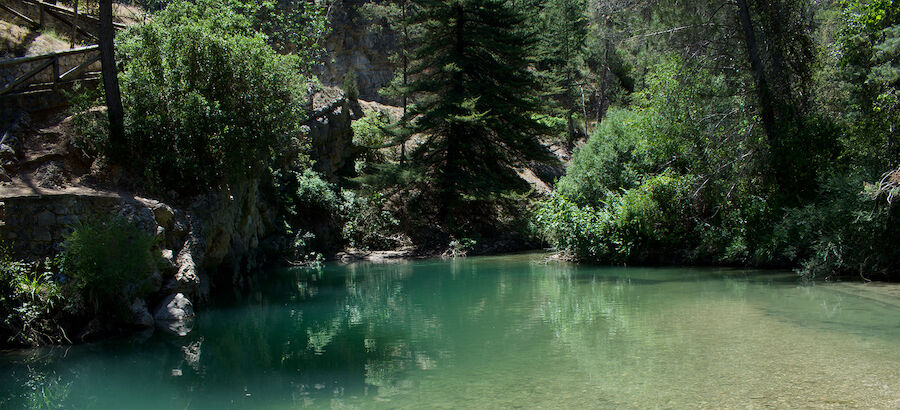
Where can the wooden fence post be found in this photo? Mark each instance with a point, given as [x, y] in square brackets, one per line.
[74, 24]
[55, 71]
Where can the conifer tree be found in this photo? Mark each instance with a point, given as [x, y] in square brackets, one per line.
[476, 93]
[564, 37]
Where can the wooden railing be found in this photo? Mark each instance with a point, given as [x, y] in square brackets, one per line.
[40, 13]
[85, 24]
[51, 61]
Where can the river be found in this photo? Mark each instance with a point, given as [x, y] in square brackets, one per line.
[493, 332]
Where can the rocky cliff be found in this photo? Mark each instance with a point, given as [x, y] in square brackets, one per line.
[360, 45]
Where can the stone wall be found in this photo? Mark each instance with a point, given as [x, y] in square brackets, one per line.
[33, 226]
[217, 233]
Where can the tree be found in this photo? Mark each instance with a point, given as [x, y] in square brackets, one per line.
[110, 78]
[565, 35]
[209, 101]
[398, 17]
[476, 94]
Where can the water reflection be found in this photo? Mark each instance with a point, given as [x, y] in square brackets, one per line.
[482, 332]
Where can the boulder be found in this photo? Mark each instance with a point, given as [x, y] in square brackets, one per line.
[164, 215]
[168, 258]
[174, 308]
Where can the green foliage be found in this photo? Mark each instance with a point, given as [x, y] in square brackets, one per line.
[375, 133]
[614, 158]
[350, 86]
[316, 210]
[314, 193]
[563, 42]
[649, 223]
[110, 260]
[91, 122]
[458, 248]
[851, 230]
[371, 129]
[478, 92]
[866, 73]
[206, 99]
[29, 298]
[293, 26]
[301, 250]
[369, 225]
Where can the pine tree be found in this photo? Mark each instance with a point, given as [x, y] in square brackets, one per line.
[476, 93]
[564, 37]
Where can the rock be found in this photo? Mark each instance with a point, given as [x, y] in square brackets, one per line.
[168, 261]
[160, 235]
[331, 136]
[94, 330]
[154, 282]
[164, 215]
[180, 328]
[7, 154]
[186, 278]
[67, 220]
[42, 235]
[46, 218]
[174, 308]
[359, 45]
[140, 314]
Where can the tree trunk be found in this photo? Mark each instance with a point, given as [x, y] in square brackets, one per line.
[110, 78]
[404, 50]
[766, 109]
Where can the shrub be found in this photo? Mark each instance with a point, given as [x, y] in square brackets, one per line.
[368, 224]
[314, 193]
[29, 297]
[350, 85]
[850, 229]
[310, 207]
[206, 99]
[109, 259]
[611, 160]
[649, 223]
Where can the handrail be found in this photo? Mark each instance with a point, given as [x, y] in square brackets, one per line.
[20, 60]
[66, 10]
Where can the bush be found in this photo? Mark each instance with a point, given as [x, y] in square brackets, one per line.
[851, 229]
[368, 224]
[29, 298]
[310, 207]
[109, 260]
[649, 223]
[612, 159]
[206, 99]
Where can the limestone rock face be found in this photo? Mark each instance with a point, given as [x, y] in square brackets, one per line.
[174, 308]
[330, 133]
[359, 45]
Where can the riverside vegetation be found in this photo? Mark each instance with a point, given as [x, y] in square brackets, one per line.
[740, 132]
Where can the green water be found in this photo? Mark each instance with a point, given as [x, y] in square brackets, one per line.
[493, 332]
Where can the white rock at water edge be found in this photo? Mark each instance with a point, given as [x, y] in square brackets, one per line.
[174, 308]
